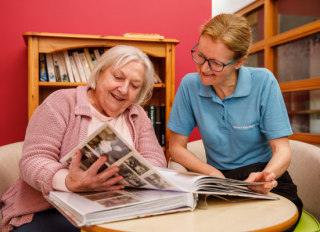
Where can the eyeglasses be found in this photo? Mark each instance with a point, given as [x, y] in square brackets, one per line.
[214, 65]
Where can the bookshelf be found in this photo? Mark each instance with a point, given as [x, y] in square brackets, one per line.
[161, 52]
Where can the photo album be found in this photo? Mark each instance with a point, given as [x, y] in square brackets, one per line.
[149, 190]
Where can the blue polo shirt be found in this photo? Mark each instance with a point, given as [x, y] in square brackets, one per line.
[235, 130]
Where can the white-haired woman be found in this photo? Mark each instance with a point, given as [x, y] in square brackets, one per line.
[121, 80]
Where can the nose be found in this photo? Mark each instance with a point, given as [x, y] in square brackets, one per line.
[124, 87]
[205, 67]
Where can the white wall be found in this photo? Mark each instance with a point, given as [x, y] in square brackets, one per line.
[228, 6]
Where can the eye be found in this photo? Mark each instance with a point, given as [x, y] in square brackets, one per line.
[117, 77]
[135, 86]
[215, 63]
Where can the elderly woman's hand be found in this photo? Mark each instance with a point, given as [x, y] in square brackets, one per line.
[264, 176]
[90, 180]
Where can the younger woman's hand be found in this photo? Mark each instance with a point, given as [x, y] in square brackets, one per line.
[263, 176]
[90, 180]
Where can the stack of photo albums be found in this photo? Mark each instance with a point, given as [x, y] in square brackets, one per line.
[149, 190]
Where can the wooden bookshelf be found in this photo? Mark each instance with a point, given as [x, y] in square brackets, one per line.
[161, 51]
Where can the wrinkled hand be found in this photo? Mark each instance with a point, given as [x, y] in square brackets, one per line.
[90, 180]
[262, 177]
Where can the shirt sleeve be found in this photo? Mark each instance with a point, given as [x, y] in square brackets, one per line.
[59, 180]
[275, 122]
[182, 119]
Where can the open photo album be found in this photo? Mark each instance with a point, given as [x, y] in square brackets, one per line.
[149, 190]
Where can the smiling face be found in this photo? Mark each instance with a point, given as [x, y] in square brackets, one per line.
[220, 52]
[117, 89]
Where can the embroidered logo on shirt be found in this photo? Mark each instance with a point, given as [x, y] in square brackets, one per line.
[245, 127]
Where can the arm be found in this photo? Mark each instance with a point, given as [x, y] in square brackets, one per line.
[179, 153]
[281, 156]
[280, 161]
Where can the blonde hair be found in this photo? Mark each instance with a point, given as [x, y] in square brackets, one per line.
[231, 29]
[120, 55]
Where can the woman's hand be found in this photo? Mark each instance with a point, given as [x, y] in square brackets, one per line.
[263, 176]
[90, 180]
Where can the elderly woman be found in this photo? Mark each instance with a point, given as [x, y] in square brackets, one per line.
[121, 80]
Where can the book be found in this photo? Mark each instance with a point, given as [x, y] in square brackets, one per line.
[85, 65]
[86, 209]
[74, 68]
[90, 58]
[158, 124]
[79, 67]
[140, 178]
[63, 67]
[68, 65]
[97, 53]
[152, 115]
[43, 74]
[163, 125]
[50, 68]
[56, 65]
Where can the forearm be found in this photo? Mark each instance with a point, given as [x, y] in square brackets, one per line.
[183, 156]
[281, 157]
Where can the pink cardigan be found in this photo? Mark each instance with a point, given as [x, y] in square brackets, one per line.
[58, 125]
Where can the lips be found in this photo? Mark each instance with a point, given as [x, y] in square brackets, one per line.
[117, 98]
[208, 74]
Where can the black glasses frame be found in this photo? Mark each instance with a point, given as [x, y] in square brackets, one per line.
[208, 60]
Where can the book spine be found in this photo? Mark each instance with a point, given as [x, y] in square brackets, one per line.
[74, 68]
[96, 53]
[88, 58]
[56, 66]
[158, 124]
[152, 115]
[93, 57]
[50, 68]
[80, 67]
[63, 68]
[68, 65]
[163, 125]
[43, 74]
[85, 65]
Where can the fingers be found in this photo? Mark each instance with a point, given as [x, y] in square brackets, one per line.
[252, 177]
[112, 183]
[264, 176]
[94, 168]
[79, 180]
[75, 163]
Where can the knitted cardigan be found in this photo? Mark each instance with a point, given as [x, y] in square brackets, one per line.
[56, 127]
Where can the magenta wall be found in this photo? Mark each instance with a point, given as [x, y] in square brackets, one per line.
[174, 19]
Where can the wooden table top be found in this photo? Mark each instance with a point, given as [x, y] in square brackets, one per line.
[216, 215]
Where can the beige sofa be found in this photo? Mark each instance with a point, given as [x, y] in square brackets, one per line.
[304, 169]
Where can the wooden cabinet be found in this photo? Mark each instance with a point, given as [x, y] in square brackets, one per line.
[160, 51]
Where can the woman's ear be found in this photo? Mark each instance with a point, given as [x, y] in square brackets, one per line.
[240, 62]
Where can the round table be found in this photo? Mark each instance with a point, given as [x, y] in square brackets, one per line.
[215, 214]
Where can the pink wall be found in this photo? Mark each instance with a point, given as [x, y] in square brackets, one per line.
[172, 18]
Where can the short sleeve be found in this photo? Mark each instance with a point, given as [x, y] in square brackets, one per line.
[274, 116]
[182, 119]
